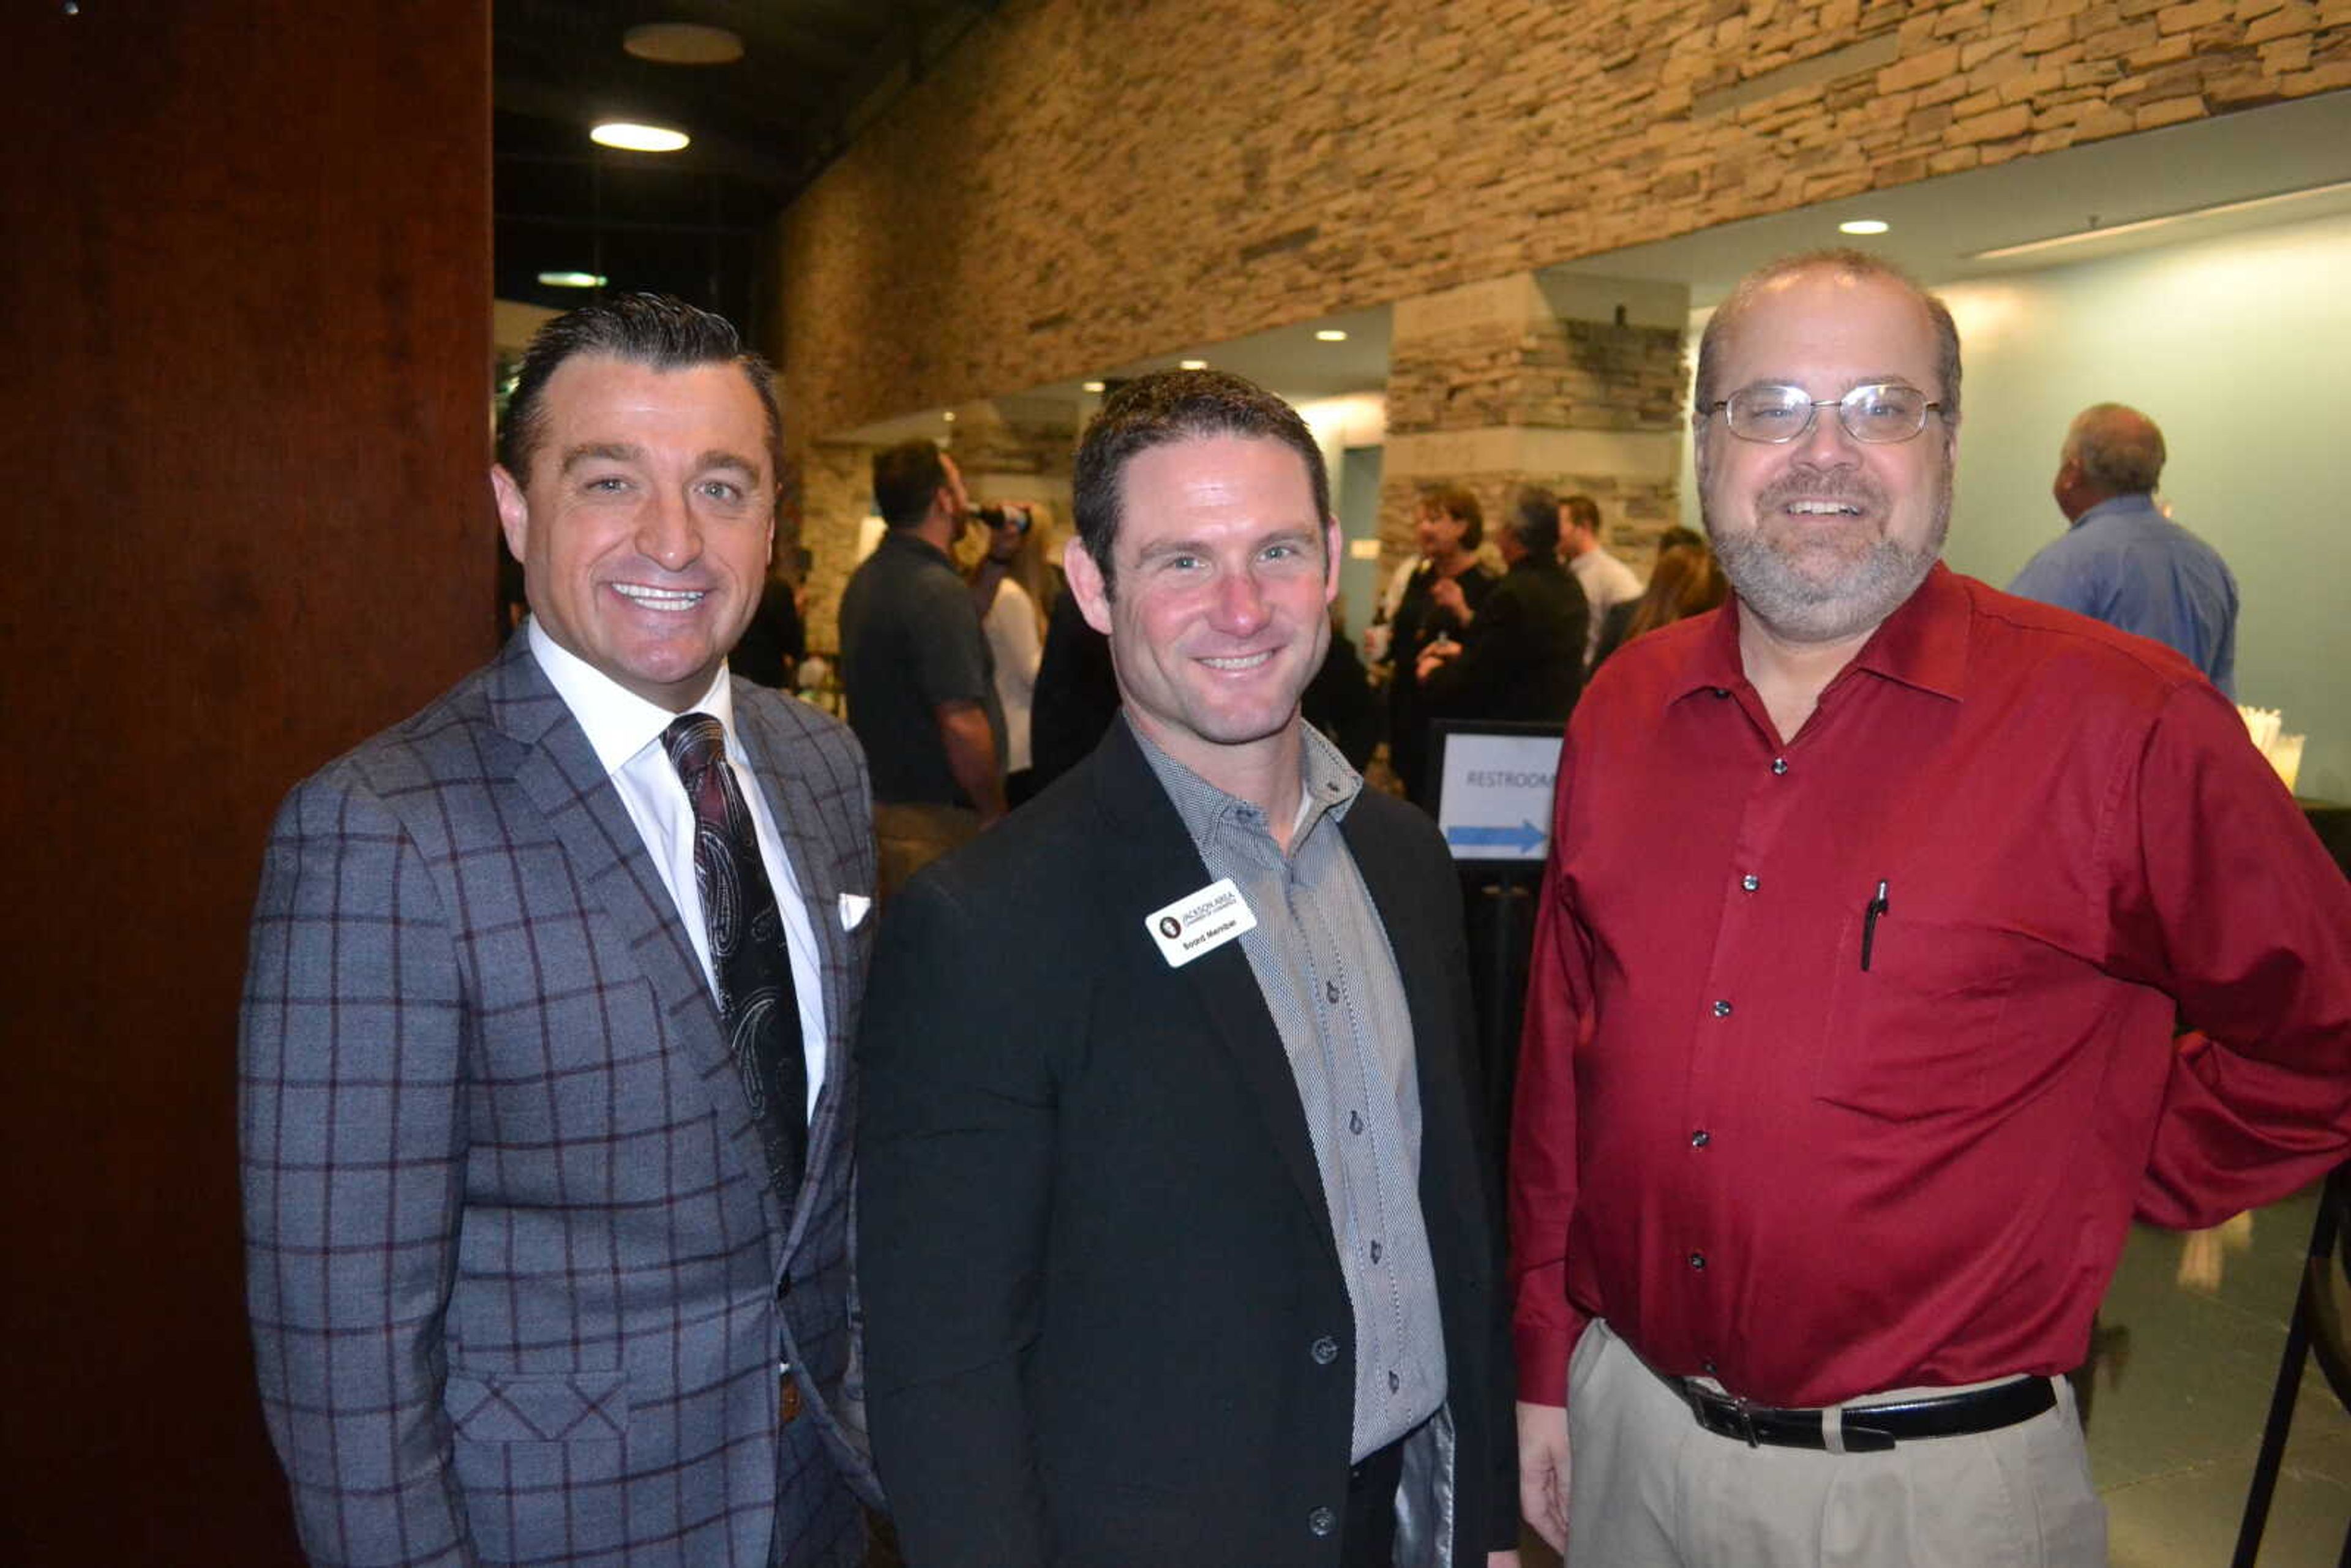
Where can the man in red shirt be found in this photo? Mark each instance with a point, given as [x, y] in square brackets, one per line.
[1840, 1088]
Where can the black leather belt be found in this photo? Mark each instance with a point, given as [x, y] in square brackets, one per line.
[1868, 1428]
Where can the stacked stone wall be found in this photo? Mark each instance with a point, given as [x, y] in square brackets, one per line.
[1083, 183]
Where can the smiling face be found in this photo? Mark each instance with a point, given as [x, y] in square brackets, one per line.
[644, 523]
[1824, 536]
[1225, 575]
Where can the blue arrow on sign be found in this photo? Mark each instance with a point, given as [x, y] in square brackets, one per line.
[1524, 838]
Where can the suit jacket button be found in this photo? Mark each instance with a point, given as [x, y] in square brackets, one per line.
[1323, 1521]
[1324, 1350]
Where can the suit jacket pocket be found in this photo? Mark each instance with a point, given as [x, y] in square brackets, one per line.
[538, 1406]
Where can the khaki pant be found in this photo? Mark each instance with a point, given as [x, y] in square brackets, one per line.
[910, 837]
[1649, 1487]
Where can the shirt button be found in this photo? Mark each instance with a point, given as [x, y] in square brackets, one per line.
[1709, 1368]
[1751, 882]
[1324, 1351]
[1722, 1010]
[1700, 1138]
[1721, 691]
[1697, 1259]
[1331, 991]
[1323, 1521]
[1779, 765]
[1375, 1252]
[1355, 1121]
[1394, 1382]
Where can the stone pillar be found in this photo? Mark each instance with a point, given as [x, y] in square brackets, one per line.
[1576, 383]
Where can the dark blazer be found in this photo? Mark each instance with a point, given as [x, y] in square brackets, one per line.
[1522, 656]
[518, 1280]
[1106, 1324]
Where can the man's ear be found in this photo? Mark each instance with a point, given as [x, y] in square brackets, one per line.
[513, 512]
[1086, 582]
[1332, 542]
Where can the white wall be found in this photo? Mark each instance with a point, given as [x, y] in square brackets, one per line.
[2239, 348]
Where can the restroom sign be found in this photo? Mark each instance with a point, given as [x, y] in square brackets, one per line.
[1494, 786]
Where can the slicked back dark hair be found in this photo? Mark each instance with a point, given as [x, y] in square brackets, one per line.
[1159, 410]
[1534, 521]
[655, 330]
[1850, 263]
[905, 478]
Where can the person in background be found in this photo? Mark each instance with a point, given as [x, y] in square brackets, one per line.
[1009, 588]
[1686, 582]
[1605, 580]
[775, 642]
[545, 1067]
[1520, 656]
[1338, 700]
[915, 669]
[1177, 1252]
[1809, 1215]
[2122, 559]
[1076, 695]
[1444, 590]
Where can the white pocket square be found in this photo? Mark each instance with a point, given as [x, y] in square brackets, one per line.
[854, 906]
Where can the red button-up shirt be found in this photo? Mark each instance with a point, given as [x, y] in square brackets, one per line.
[1758, 1154]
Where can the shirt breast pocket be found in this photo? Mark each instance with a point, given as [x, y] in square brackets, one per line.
[1925, 1031]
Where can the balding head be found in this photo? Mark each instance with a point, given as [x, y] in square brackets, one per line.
[2110, 450]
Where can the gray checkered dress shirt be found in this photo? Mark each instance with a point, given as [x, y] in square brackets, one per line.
[1322, 961]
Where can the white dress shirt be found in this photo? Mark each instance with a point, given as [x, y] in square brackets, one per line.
[626, 732]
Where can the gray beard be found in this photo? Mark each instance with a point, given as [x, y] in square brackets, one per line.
[1804, 609]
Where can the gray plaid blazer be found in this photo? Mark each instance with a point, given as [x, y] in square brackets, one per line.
[518, 1283]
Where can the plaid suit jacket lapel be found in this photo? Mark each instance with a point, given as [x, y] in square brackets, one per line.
[560, 776]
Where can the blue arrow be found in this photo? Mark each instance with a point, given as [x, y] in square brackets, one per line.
[1524, 838]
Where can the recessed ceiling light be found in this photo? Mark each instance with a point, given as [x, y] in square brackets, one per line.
[572, 280]
[1330, 335]
[948, 416]
[1191, 364]
[632, 137]
[683, 44]
[1864, 226]
[1094, 386]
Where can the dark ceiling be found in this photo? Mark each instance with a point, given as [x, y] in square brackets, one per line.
[690, 223]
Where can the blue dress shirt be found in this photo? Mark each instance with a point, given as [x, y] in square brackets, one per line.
[2127, 564]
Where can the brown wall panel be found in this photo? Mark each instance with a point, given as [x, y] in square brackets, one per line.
[244, 285]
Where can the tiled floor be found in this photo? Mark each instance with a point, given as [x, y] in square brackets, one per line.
[2177, 1416]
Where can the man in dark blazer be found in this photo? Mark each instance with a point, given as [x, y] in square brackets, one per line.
[545, 1094]
[1178, 1245]
[1521, 655]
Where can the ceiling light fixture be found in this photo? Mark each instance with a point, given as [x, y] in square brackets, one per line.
[948, 416]
[633, 138]
[1330, 335]
[572, 280]
[1864, 226]
[1191, 364]
[683, 44]
[1094, 386]
[2084, 236]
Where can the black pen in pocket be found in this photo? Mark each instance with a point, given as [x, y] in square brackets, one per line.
[1877, 906]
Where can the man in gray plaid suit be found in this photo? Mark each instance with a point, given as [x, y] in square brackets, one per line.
[548, 1216]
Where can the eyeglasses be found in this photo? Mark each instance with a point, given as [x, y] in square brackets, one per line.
[1877, 414]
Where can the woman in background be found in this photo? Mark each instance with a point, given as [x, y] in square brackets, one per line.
[1009, 586]
[1686, 582]
[1447, 583]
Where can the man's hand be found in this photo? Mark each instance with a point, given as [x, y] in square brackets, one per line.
[1434, 655]
[1503, 1559]
[1543, 1470]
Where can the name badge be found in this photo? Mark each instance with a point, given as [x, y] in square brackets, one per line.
[1199, 922]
